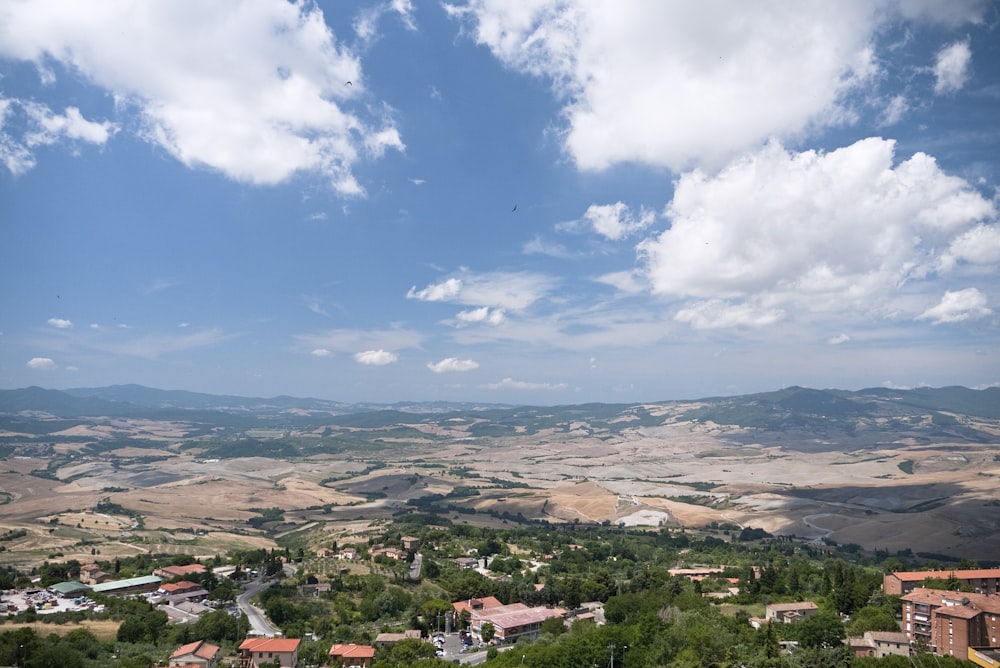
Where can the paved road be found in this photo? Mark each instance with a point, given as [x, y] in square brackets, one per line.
[259, 625]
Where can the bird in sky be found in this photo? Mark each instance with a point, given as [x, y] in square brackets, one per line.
[514, 209]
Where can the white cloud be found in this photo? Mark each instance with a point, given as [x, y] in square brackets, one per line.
[513, 291]
[779, 234]
[958, 306]
[951, 68]
[439, 292]
[623, 281]
[482, 314]
[254, 90]
[375, 357]
[43, 127]
[511, 384]
[49, 127]
[452, 364]
[838, 339]
[351, 340]
[680, 84]
[60, 323]
[320, 352]
[615, 221]
[366, 23]
[719, 314]
[41, 364]
[894, 111]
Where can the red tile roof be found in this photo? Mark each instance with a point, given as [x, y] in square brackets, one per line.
[198, 648]
[353, 651]
[961, 574]
[270, 644]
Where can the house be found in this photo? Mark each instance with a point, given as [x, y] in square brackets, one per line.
[325, 553]
[512, 622]
[982, 580]
[184, 587]
[348, 554]
[467, 563]
[391, 553]
[92, 574]
[410, 543]
[198, 654]
[786, 613]
[474, 604]
[952, 622]
[255, 651]
[880, 644]
[172, 572]
[351, 655]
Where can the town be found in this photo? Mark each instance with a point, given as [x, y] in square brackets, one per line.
[468, 596]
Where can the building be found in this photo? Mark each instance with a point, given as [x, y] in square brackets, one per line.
[880, 643]
[352, 656]
[92, 574]
[128, 586]
[512, 622]
[982, 580]
[171, 572]
[786, 613]
[325, 553]
[198, 654]
[410, 543]
[69, 589]
[255, 651]
[952, 622]
[182, 589]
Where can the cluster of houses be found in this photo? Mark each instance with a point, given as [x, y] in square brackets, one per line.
[963, 624]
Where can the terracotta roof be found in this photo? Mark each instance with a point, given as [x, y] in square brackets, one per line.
[483, 603]
[961, 574]
[510, 618]
[270, 644]
[353, 651]
[799, 605]
[198, 648]
[937, 597]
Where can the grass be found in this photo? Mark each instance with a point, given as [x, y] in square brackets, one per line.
[103, 629]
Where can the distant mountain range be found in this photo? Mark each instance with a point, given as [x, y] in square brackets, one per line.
[138, 401]
[763, 409]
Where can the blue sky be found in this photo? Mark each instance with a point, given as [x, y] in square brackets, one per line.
[534, 202]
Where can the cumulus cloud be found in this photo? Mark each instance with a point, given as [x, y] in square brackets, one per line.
[452, 364]
[813, 232]
[49, 127]
[511, 384]
[375, 357]
[320, 352]
[957, 306]
[60, 323]
[512, 291]
[41, 364]
[252, 90]
[482, 314]
[838, 339]
[680, 85]
[951, 68]
[615, 221]
[43, 127]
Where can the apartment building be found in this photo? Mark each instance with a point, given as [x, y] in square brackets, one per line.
[951, 622]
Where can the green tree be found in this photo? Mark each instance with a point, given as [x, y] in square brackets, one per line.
[487, 631]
